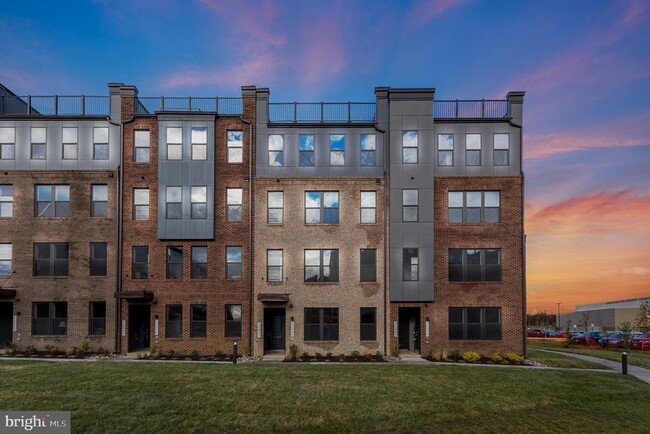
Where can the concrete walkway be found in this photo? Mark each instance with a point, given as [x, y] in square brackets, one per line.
[642, 374]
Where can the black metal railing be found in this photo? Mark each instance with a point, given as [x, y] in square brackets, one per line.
[322, 112]
[57, 105]
[221, 105]
[471, 109]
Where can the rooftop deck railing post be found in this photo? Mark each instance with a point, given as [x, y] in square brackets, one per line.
[162, 103]
[189, 103]
[83, 105]
[349, 112]
[56, 105]
[456, 108]
[322, 116]
[29, 104]
[482, 108]
[295, 111]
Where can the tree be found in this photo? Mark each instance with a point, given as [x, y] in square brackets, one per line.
[642, 318]
[626, 333]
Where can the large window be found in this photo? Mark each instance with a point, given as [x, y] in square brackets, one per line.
[410, 202]
[5, 259]
[321, 207]
[198, 320]
[70, 145]
[275, 207]
[472, 149]
[199, 205]
[322, 265]
[99, 195]
[306, 146]
[368, 207]
[501, 149]
[140, 262]
[199, 262]
[368, 265]
[175, 262]
[368, 323]
[337, 150]
[473, 206]
[174, 143]
[474, 323]
[445, 149]
[235, 146]
[97, 318]
[233, 262]
[50, 319]
[39, 146]
[321, 324]
[474, 265]
[100, 143]
[140, 204]
[411, 263]
[276, 150]
[98, 259]
[6, 201]
[274, 265]
[174, 323]
[410, 147]
[50, 259]
[52, 201]
[368, 149]
[174, 202]
[234, 199]
[233, 320]
[199, 143]
[7, 143]
[142, 141]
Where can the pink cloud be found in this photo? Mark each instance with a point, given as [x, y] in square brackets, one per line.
[322, 52]
[427, 10]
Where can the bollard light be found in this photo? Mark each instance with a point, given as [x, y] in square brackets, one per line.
[624, 363]
[234, 352]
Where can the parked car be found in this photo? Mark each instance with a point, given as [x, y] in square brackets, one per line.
[641, 341]
[612, 340]
[535, 333]
[581, 337]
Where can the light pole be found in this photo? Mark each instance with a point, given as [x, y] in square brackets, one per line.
[559, 322]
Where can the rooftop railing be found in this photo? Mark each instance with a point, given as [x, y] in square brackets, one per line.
[221, 105]
[470, 109]
[57, 105]
[322, 112]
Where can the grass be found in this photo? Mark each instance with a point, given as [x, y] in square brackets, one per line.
[185, 397]
[636, 358]
[560, 361]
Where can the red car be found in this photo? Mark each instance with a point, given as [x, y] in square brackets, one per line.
[536, 333]
[641, 342]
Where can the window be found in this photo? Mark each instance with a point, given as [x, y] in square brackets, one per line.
[321, 324]
[368, 150]
[368, 326]
[474, 323]
[275, 206]
[274, 265]
[410, 147]
[70, 146]
[474, 265]
[368, 264]
[337, 150]
[174, 262]
[140, 262]
[7, 143]
[199, 262]
[410, 264]
[98, 259]
[321, 207]
[235, 146]
[234, 204]
[368, 207]
[473, 206]
[97, 318]
[445, 149]
[142, 143]
[306, 146]
[501, 149]
[472, 149]
[99, 195]
[6, 201]
[140, 204]
[52, 200]
[100, 144]
[5, 259]
[199, 197]
[50, 319]
[174, 197]
[410, 205]
[276, 150]
[50, 259]
[198, 320]
[199, 143]
[174, 143]
[321, 265]
[233, 320]
[233, 262]
[174, 323]
[39, 146]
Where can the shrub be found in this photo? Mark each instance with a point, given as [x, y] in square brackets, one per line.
[31, 350]
[379, 355]
[78, 351]
[172, 353]
[85, 346]
[328, 356]
[444, 355]
[496, 358]
[514, 358]
[102, 351]
[341, 357]
[568, 341]
[304, 356]
[432, 353]
[471, 357]
[369, 357]
[48, 348]
[219, 355]
[12, 347]
[318, 356]
[394, 352]
[293, 352]
[455, 355]
[196, 355]
[355, 355]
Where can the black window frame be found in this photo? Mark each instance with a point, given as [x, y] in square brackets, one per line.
[174, 327]
[269, 208]
[7, 211]
[471, 331]
[320, 330]
[98, 208]
[411, 148]
[5, 146]
[408, 267]
[411, 206]
[369, 268]
[175, 207]
[367, 330]
[234, 210]
[174, 261]
[136, 206]
[275, 151]
[66, 143]
[309, 154]
[444, 151]
[60, 208]
[199, 269]
[463, 270]
[370, 154]
[101, 144]
[137, 147]
[501, 151]
[234, 264]
[54, 324]
[96, 323]
[53, 261]
[233, 327]
[39, 145]
[323, 209]
[464, 211]
[198, 210]
[98, 265]
[366, 208]
[469, 152]
[333, 269]
[144, 266]
[198, 327]
[270, 267]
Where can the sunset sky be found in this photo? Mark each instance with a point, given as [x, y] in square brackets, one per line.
[585, 67]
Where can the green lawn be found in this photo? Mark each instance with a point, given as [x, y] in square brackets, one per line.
[183, 397]
[561, 361]
[634, 357]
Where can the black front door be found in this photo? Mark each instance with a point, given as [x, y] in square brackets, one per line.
[139, 323]
[274, 328]
[409, 329]
[6, 323]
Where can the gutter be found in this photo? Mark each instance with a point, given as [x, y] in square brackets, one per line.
[118, 271]
[386, 245]
[250, 230]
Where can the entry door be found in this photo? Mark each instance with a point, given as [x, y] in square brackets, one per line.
[409, 329]
[139, 323]
[6, 323]
[414, 332]
[274, 325]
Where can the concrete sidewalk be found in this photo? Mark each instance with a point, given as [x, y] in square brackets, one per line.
[642, 374]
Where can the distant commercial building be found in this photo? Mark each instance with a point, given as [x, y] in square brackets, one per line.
[604, 316]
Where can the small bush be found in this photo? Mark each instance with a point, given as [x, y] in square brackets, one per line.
[102, 351]
[31, 350]
[514, 358]
[293, 352]
[172, 354]
[369, 357]
[432, 353]
[569, 341]
[444, 355]
[471, 357]
[318, 356]
[304, 356]
[78, 351]
[496, 358]
[341, 357]
[196, 355]
[394, 352]
[328, 356]
[379, 355]
[85, 346]
[355, 355]
[219, 355]
[455, 356]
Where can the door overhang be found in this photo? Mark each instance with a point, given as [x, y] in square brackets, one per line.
[273, 299]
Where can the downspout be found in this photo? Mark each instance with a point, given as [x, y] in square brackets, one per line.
[386, 249]
[250, 232]
[523, 234]
[118, 271]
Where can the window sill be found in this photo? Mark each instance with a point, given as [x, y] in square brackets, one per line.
[474, 224]
[475, 340]
[232, 337]
[197, 338]
[230, 279]
[50, 277]
[95, 336]
[321, 283]
[494, 282]
[322, 224]
[50, 336]
[274, 283]
[98, 277]
[321, 342]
